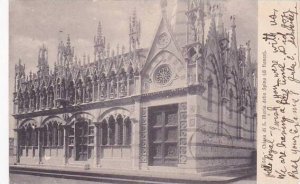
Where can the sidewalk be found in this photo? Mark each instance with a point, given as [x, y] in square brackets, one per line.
[132, 174]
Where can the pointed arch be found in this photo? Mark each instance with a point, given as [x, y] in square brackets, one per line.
[114, 111]
[111, 130]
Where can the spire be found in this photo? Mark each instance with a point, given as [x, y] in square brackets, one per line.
[118, 49]
[179, 22]
[99, 31]
[248, 54]
[99, 44]
[43, 67]
[20, 69]
[123, 49]
[198, 15]
[108, 50]
[163, 6]
[233, 44]
[60, 53]
[134, 32]
[68, 52]
[68, 41]
[220, 26]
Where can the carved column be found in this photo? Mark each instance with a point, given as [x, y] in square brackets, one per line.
[108, 133]
[16, 143]
[83, 94]
[108, 89]
[96, 134]
[128, 85]
[75, 95]
[47, 100]
[93, 95]
[65, 147]
[124, 133]
[118, 86]
[41, 104]
[116, 132]
[39, 146]
[99, 96]
[139, 135]
[74, 145]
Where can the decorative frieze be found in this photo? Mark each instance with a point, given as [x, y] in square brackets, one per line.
[183, 132]
[143, 136]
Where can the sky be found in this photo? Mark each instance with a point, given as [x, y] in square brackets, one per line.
[33, 23]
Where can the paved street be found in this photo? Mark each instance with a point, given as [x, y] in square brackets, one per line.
[29, 179]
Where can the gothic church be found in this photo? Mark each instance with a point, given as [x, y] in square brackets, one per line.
[187, 103]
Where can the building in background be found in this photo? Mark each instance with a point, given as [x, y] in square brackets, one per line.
[187, 102]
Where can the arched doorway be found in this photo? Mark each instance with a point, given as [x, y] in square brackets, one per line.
[81, 140]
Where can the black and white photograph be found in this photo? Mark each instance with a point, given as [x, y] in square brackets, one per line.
[133, 91]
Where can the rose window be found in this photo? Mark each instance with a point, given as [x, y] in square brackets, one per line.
[163, 75]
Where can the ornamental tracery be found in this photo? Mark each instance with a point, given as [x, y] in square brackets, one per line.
[163, 74]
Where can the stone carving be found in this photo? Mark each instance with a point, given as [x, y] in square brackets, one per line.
[103, 88]
[21, 102]
[71, 93]
[182, 134]
[89, 91]
[162, 75]
[163, 40]
[32, 100]
[143, 137]
[51, 97]
[43, 98]
[113, 86]
[37, 95]
[123, 85]
[79, 94]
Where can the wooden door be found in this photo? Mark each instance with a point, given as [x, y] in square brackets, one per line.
[163, 135]
[81, 131]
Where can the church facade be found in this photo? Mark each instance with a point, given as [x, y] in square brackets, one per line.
[186, 103]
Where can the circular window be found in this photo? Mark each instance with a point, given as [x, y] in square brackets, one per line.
[162, 75]
[163, 40]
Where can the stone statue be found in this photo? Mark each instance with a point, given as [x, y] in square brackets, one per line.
[123, 86]
[51, 98]
[79, 93]
[32, 100]
[20, 101]
[113, 85]
[103, 88]
[89, 90]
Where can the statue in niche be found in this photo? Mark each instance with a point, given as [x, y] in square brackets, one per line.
[51, 98]
[71, 94]
[225, 88]
[113, 86]
[44, 98]
[32, 100]
[123, 84]
[20, 97]
[26, 100]
[89, 90]
[79, 92]
[58, 91]
[37, 99]
[102, 87]
[63, 90]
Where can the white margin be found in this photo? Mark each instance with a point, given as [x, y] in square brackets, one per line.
[4, 113]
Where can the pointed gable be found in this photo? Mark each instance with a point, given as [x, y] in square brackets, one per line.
[163, 41]
[165, 67]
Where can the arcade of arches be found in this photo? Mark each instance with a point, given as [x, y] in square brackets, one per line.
[77, 139]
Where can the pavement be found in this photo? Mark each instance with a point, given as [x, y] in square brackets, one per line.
[122, 175]
[29, 179]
